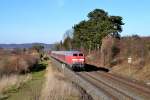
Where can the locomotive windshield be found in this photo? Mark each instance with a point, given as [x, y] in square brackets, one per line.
[75, 54]
[80, 54]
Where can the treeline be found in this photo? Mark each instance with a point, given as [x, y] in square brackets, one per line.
[88, 34]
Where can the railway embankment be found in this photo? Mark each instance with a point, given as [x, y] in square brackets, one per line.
[102, 85]
[127, 57]
[58, 87]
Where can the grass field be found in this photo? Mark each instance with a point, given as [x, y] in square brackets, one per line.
[30, 90]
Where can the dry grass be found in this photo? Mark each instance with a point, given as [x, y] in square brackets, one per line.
[7, 83]
[138, 49]
[130, 71]
[57, 87]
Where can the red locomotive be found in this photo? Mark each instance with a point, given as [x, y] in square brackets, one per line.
[75, 59]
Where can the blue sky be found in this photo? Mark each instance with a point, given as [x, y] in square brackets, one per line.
[25, 21]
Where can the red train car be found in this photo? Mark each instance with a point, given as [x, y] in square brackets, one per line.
[75, 59]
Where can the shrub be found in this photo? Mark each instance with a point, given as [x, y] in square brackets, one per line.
[17, 63]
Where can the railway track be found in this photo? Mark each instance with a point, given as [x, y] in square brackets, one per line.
[133, 83]
[106, 86]
[131, 88]
[118, 87]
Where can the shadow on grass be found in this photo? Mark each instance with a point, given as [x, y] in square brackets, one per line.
[38, 67]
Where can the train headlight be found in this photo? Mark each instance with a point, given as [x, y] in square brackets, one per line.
[82, 60]
[74, 60]
[77, 60]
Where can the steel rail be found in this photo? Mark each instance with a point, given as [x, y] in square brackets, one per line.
[137, 85]
[133, 90]
[100, 84]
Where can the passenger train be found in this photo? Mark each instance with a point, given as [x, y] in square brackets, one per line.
[75, 59]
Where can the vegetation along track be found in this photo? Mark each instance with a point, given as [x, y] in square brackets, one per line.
[116, 86]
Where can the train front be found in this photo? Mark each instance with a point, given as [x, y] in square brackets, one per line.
[78, 60]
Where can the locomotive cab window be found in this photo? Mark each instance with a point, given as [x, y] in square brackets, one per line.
[80, 54]
[75, 54]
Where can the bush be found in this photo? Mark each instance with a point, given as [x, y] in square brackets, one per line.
[109, 50]
[17, 63]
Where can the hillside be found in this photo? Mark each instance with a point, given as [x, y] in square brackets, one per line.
[25, 45]
[114, 55]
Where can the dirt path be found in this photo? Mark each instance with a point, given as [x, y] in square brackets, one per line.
[57, 87]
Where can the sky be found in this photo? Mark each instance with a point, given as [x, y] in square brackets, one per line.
[26, 21]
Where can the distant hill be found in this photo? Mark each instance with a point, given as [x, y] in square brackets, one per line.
[26, 45]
